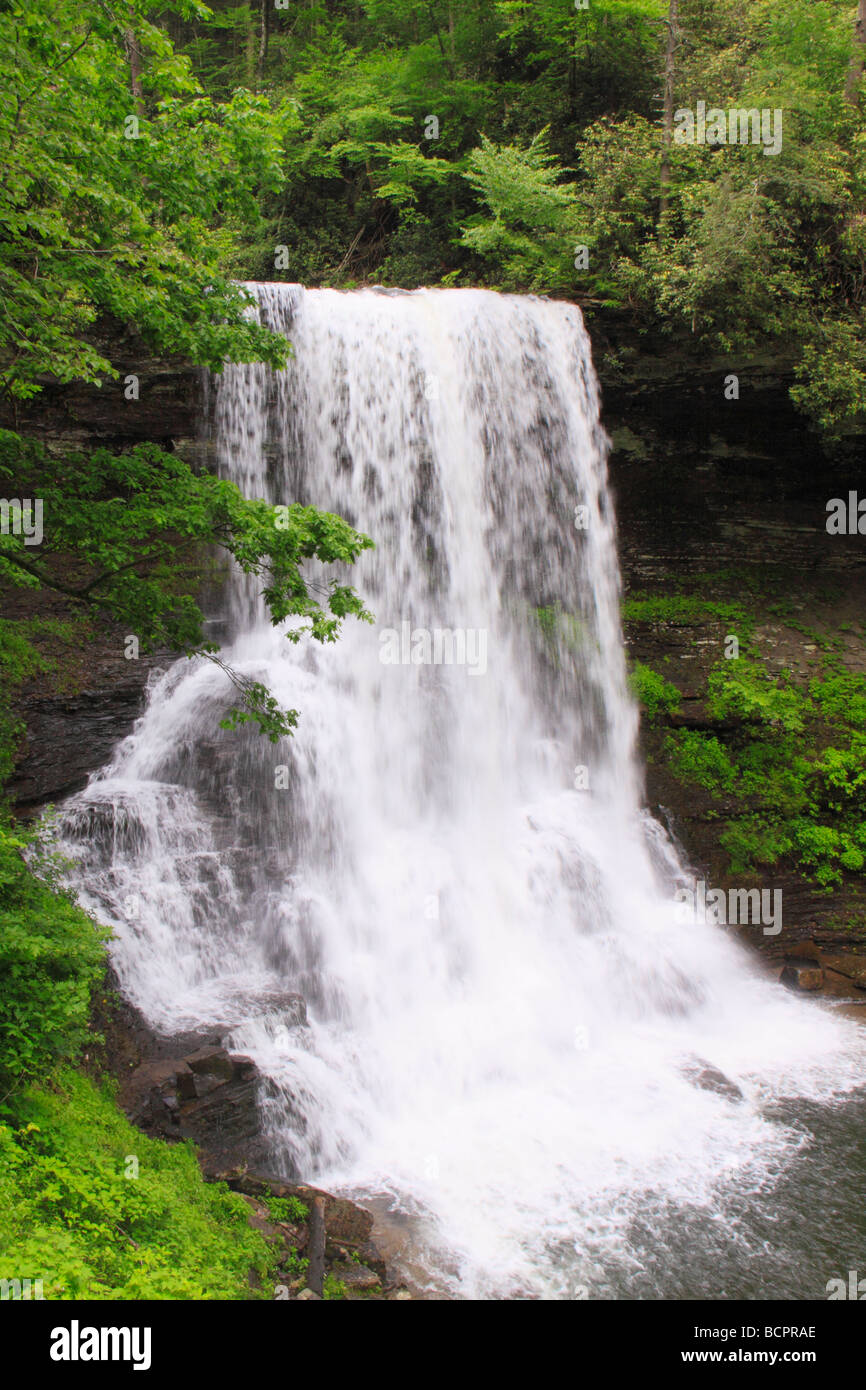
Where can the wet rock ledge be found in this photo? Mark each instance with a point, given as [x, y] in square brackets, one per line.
[191, 1087]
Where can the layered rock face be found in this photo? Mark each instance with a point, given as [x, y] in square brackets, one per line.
[728, 498]
[73, 725]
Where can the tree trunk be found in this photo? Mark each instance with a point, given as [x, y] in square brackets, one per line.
[263, 35]
[316, 1247]
[133, 53]
[250, 47]
[668, 112]
[445, 59]
[855, 68]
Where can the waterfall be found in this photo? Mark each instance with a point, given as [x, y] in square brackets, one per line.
[448, 860]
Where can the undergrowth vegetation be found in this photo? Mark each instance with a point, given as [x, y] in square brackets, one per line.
[782, 757]
[96, 1210]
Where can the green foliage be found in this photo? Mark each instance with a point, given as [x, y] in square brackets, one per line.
[795, 762]
[51, 959]
[654, 694]
[841, 697]
[530, 235]
[744, 251]
[100, 215]
[547, 136]
[742, 689]
[130, 530]
[76, 1217]
[290, 1209]
[683, 609]
[753, 842]
[698, 757]
[824, 850]
[831, 374]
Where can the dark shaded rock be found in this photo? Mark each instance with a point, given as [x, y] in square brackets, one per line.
[69, 737]
[259, 1218]
[357, 1278]
[370, 1255]
[75, 415]
[212, 1067]
[212, 1061]
[724, 500]
[367, 1252]
[227, 1111]
[147, 1098]
[844, 967]
[210, 1097]
[804, 975]
[709, 1078]
[186, 1086]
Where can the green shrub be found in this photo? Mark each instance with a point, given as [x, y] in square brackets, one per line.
[754, 843]
[743, 689]
[52, 957]
[654, 694]
[698, 757]
[290, 1209]
[778, 762]
[95, 1209]
[683, 610]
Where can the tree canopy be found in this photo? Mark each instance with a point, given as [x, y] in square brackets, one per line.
[153, 154]
[122, 187]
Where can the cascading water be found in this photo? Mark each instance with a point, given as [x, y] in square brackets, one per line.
[448, 859]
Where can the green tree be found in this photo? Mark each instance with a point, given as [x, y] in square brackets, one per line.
[122, 187]
[530, 236]
[118, 530]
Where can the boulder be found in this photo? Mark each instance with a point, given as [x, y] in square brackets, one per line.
[357, 1278]
[259, 1218]
[367, 1252]
[345, 1222]
[212, 1067]
[210, 1096]
[802, 975]
[847, 966]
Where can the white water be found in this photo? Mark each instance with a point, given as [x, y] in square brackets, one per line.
[501, 999]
